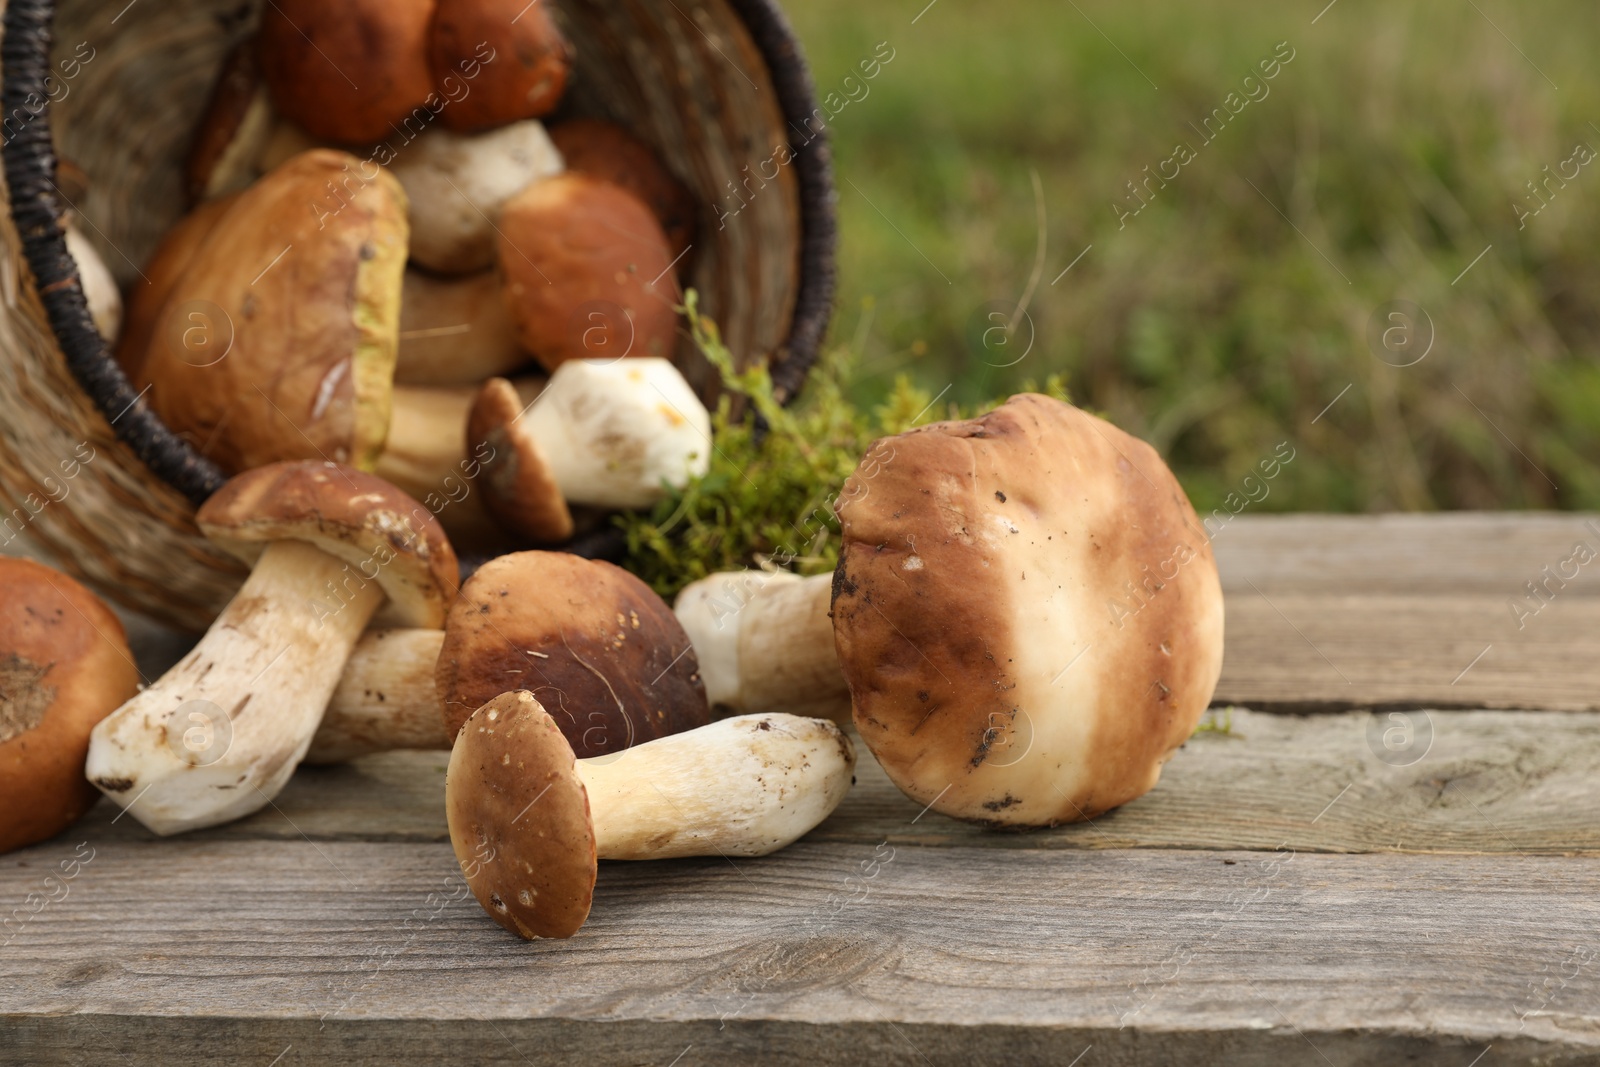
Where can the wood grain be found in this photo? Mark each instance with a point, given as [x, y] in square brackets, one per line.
[188, 951]
[1490, 782]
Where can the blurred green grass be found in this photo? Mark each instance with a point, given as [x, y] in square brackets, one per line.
[1223, 319]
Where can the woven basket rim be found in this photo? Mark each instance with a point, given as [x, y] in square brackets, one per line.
[29, 161]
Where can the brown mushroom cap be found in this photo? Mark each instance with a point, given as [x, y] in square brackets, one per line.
[574, 242]
[519, 489]
[596, 645]
[519, 819]
[64, 666]
[295, 293]
[346, 71]
[166, 265]
[978, 559]
[525, 74]
[383, 534]
[605, 150]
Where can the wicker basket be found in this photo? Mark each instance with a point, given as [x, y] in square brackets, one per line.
[97, 480]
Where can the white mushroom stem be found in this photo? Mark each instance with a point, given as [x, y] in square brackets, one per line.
[100, 290]
[386, 699]
[765, 643]
[614, 430]
[455, 331]
[217, 736]
[740, 787]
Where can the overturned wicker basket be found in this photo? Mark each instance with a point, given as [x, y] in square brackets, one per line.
[95, 478]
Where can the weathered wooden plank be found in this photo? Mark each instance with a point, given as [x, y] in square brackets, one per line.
[1470, 782]
[194, 951]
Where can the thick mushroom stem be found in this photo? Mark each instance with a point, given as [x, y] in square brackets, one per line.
[765, 642]
[455, 331]
[746, 786]
[216, 737]
[386, 699]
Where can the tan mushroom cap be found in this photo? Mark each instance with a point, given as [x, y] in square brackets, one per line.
[519, 819]
[383, 534]
[64, 666]
[1027, 612]
[605, 150]
[278, 340]
[526, 75]
[575, 244]
[147, 295]
[519, 488]
[346, 71]
[604, 653]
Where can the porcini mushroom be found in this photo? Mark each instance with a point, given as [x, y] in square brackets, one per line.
[455, 331]
[297, 291]
[584, 258]
[386, 699]
[64, 666]
[528, 820]
[458, 185]
[218, 735]
[148, 295]
[596, 644]
[525, 60]
[349, 72]
[605, 150]
[604, 433]
[225, 154]
[1026, 613]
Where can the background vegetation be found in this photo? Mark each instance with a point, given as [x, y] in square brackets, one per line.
[1235, 308]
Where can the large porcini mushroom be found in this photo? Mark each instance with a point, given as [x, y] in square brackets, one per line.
[605, 150]
[350, 72]
[595, 644]
[528, 819]
[64, 666]
[218, 735]
[1026, 612]
[455, 331]
[515, 53]
[297, 292]
[586, 264]
[459, 183]
[605, 433]
[148, 295]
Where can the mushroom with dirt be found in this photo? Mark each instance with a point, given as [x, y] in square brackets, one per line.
[528, 819]
[218, 735]
[1026, 613]
[64, 666]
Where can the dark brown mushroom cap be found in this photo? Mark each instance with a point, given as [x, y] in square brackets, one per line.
[1027, 612]
[349, 71]
[380, 532]
[510, 54]
[596, 646]
[519, 819]
[64, 666]
[278, 340]
[605, 150]
[519, 489]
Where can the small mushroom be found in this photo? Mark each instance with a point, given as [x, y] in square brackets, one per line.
[278, 340]
[238, 120]
[64, 666]
[100, 290]
[524, 65]
[348, 72]
[455, 331]
[1026, 613]
[587, 264]
[148, 294]
[458, 185]
[596, 644]
[218, 735]
[605, 150]
[386, 699]
[608, 434]
[528, 820]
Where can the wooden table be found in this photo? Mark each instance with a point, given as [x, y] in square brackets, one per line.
[1390, 858]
